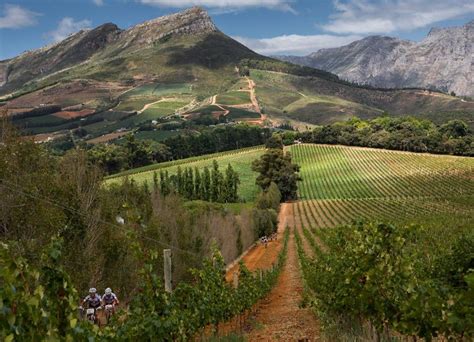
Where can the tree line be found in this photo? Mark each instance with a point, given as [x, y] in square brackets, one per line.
[210, 185]
[132, 153]
[404, 134]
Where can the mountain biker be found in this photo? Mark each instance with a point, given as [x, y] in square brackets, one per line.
[92, 300]
[109, 298]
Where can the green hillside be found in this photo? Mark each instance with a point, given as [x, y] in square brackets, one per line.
[241, 161]
[321, 101]
[184, 58]
[341, 184]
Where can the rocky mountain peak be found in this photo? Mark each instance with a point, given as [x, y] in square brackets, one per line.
[194, 20]
[443, 61]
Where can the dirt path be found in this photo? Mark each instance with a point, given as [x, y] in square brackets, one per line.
[148, 105]
[260, 257]
[253, 97]
[279, 316]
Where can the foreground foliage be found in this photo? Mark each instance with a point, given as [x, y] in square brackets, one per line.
[392, 277]
[39, 304]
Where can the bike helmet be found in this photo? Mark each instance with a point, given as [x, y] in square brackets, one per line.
[92, 290]
[108, 291]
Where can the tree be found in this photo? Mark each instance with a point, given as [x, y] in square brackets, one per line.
[276, 166]
[230, 186]
[216, 182]
[189, 183]
[269, 199]
[275, 141]
[206, 185]
[180, 181]
[198, 193]
[455, 128]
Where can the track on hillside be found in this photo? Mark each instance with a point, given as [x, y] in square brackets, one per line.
[279, 316]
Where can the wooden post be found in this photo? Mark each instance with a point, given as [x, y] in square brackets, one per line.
[261, 274]
[236, 279]
[167, 269]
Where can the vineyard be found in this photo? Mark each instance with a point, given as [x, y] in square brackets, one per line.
[342, 184]
[398, 257]
[240, 160]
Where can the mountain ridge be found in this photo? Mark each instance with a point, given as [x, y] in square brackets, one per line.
[83, 44]
[103, 79]
[441, 61]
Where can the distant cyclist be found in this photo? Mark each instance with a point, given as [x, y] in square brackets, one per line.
[109, 298]
[92, 300]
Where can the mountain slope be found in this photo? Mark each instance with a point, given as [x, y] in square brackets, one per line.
[109, 80]
[443, 60]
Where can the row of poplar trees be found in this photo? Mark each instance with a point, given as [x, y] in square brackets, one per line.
[210, 185]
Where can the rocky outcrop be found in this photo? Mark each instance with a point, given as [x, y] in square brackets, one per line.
[83, 45]
[71, 51]
[443, 61]
[192, 21]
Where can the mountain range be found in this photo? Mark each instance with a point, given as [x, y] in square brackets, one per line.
[108, 80]
[442, 61]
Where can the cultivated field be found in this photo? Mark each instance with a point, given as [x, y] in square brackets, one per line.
[241, 161]
[342, 184]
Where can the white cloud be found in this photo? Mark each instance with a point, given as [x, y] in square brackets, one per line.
[98, 2]
[66, 27]
[295, 44]
[385, 16]
[282, 5]
[17, 17]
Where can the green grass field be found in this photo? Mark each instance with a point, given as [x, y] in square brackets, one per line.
[159, 89]
[164, 108]
[234, 98]
[241, 161]
[239, 113]
[341, 184]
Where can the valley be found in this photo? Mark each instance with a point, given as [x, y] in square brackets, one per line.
[225, 195]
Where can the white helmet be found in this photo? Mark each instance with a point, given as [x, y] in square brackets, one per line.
[92, 290]
[108, 291]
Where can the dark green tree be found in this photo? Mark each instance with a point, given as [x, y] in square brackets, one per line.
[216, 182]
[189, 183]
[276, 166]
[197, 184]
[206, 184]
[180, 181]
[230, 185]
[275, 141]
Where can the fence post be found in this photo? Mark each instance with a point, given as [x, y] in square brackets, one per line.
[260, 272]
[236, 279]
[167, 269]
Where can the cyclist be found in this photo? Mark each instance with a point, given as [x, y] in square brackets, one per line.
[92, 300]
[109, 298]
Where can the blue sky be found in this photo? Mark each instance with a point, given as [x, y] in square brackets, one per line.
[268, 26]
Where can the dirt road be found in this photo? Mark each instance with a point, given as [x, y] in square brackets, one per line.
[279, 316]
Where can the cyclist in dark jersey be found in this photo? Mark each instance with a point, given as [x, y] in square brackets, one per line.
[92, 300]
[109, 298]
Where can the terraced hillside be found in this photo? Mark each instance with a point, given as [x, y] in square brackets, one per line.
[241, 161]
[342, 184]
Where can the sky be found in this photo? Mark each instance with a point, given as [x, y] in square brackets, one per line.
[270, 27]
